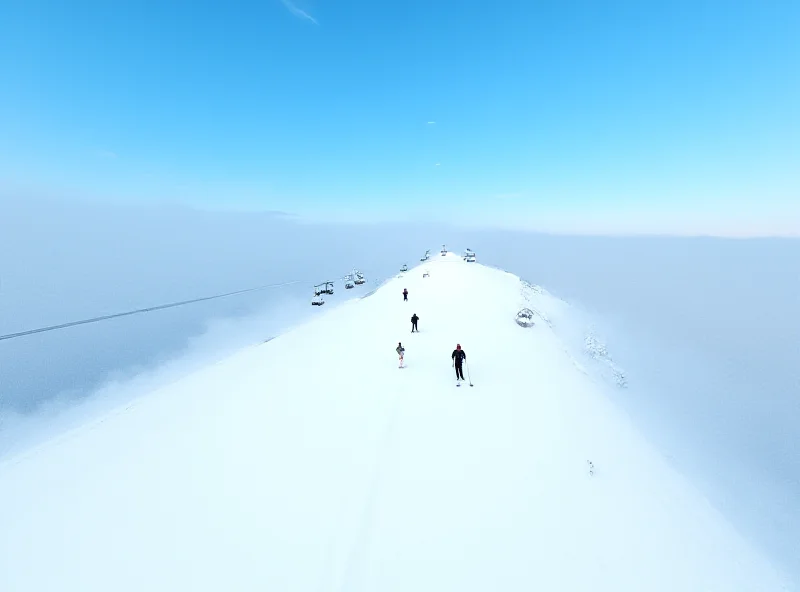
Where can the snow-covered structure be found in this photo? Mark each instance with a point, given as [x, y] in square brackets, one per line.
[275, 470]
[525, 318]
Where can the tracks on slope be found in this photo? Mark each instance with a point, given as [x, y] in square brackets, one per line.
[353, 565]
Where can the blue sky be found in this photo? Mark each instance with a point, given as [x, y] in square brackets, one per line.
[643, 117]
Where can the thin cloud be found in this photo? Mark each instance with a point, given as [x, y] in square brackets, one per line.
[431, 123]
[437, 164]
[298, 12]
[106, 154]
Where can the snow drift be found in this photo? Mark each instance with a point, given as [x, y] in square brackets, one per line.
[311, 462]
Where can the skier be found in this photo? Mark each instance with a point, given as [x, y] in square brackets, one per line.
[405, 294]
[414, 320]
[458, 358]
[400, 351]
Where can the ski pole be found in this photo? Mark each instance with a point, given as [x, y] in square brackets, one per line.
[468, 376]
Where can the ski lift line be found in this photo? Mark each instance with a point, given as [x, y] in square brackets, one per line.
[141, 310]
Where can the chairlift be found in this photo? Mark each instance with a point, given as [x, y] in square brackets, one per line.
[469, 256]
[426, 256]
[404, 268]
[354, 279]
[443, 251]
[323, 288]
[318, 301]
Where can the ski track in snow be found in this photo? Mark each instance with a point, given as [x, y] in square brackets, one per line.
[311, 462]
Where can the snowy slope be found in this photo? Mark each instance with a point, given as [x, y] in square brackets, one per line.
[312, 462]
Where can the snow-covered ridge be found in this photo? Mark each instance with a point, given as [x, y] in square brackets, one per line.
[312, 462]
[536, 299]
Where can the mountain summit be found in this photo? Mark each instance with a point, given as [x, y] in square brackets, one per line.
[314, 462]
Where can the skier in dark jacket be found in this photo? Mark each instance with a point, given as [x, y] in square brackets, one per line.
[405, 294]
[400, 352]
[414, 320]
[458, 358]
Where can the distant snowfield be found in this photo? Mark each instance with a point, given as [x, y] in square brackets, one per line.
[312, 462]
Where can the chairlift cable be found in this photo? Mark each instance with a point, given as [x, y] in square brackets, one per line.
[141, 310]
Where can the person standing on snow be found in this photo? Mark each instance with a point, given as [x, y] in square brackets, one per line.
[400, 351]
[405, 294]
[414, 320]
[458, 359]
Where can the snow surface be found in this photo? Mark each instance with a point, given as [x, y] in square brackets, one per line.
[311, 462]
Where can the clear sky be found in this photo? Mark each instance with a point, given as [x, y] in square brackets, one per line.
[581, 116]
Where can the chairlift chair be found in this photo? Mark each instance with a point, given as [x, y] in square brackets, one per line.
[444, 251]
[349, 285]
[404, 268]
[318, 301]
